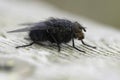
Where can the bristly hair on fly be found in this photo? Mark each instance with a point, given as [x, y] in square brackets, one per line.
[54, 30]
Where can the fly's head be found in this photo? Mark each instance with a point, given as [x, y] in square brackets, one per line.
[78, 31]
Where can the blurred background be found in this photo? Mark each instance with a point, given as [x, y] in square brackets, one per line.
[103, 11]
[45, 63]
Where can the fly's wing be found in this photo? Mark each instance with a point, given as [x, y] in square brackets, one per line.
[33, 26]
[30, 24]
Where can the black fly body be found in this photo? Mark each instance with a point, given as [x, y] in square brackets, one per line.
[56, 31]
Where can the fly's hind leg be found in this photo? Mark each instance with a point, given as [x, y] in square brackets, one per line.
[25, 45]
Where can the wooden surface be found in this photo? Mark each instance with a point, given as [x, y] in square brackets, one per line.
[45, 62]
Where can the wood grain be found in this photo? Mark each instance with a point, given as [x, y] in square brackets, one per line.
[45, 62]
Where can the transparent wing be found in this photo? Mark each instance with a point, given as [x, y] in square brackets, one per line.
[27, 24]
[32, 26]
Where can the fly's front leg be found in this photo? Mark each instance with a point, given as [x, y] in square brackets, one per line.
[73, 44]
[87, 44]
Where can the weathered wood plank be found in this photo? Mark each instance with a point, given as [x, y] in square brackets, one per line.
[45, 62]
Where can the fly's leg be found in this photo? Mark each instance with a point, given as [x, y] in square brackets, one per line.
[59, 48]
[87, 44]
[73, 45]
[25, 45]
[58, 44]
[75, 48]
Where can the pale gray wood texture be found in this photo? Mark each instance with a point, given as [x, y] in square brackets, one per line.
[45, 62]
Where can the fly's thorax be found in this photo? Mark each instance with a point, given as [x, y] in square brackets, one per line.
[38, 35]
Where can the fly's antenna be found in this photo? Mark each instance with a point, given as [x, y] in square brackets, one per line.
[84, 29]
[80, 26]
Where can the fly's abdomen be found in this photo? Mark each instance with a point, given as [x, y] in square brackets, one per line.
[38, 35]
